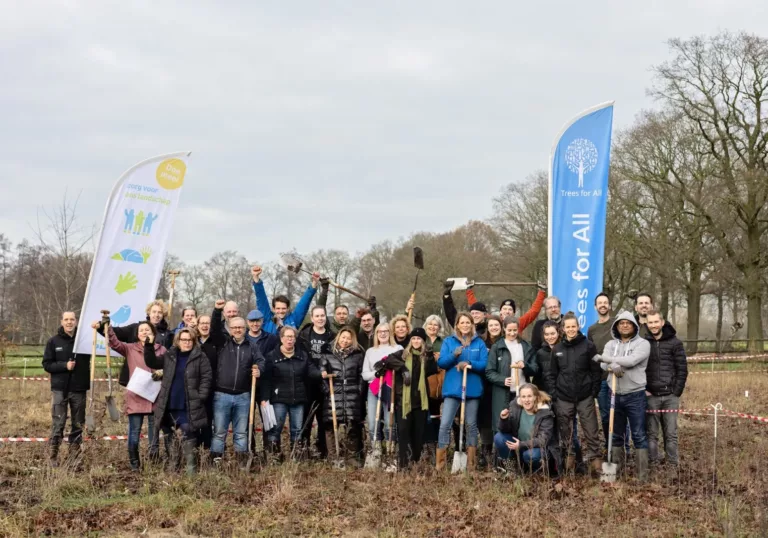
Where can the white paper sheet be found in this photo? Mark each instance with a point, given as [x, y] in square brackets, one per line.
[142, 384]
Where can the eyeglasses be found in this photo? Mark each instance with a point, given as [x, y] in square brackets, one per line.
[238, 328]
[186, 340]
[289, 337]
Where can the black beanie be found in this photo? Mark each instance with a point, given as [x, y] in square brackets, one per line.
[508, 302]
[480, 307]
[420, 332]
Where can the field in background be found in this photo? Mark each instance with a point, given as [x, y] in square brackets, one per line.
[313, 498]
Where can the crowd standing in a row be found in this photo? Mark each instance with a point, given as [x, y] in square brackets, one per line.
[524, 401]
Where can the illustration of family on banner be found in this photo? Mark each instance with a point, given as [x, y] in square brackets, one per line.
[130, 253]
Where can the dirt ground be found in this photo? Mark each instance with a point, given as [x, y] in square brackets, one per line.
[104, 498]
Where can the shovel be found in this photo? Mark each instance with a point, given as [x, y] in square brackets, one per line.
[90, 424]
[339, 462]
[609, 469]
[250, 423]
[114, 414]
[460, 456]
[462, 283]
[418, 262]
[292, 262]
[373, 459]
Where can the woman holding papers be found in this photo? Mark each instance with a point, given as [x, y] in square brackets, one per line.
[187, 382]
[135, 406]
[284, 386]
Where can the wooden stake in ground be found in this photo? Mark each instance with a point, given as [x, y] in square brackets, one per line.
[173, 274]
[250, 422]
[114, 414]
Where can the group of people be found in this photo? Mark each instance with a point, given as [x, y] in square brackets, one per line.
[357, 385]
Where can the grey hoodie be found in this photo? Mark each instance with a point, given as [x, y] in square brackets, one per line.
[632, 356]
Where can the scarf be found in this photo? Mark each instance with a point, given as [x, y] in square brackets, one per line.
[406, 402]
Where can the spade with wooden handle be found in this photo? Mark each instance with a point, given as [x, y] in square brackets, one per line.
[418, 263]
[114, 414]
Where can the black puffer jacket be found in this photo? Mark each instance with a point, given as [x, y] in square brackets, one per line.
[667, 368]
[129, 334]
[544, 434]
[198, 381]
[544, 358]
[285, 379]
[572, 372]
[58, 351]
[348, 387]
[234, 361]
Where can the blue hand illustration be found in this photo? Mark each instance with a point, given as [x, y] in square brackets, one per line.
[122, 315]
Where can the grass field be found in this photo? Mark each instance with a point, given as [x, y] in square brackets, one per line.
[105, 499]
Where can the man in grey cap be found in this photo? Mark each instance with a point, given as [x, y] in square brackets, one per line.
[265, 341]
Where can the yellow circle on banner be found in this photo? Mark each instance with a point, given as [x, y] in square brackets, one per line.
[170, 173]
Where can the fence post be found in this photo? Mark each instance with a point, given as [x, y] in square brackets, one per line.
[717, 407]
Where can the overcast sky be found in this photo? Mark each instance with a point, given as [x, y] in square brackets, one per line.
[316, 124]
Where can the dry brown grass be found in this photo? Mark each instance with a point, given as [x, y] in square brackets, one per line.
[105, 499]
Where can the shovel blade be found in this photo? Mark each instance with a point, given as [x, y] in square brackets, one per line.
[459, 283]
[609, 472]
[418, 258]
[459, 462]
[373, 459]
[114, 414]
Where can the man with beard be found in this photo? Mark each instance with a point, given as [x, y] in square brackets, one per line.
[600, 334]
[552, 307]
[643, 304]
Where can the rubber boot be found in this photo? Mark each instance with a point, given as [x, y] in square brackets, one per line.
[54, 456]
[189, 447]
[133, 458]
[618, 457]
[641, 460]
[440, 459]
[472, 458]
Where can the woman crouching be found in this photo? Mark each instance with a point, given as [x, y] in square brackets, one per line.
[181, 403]
[527, 437]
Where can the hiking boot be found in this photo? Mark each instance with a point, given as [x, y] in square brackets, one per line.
[133, 458]
[440, 459]
[472, 458]
[641, 458]
[54, 455]
[189, 448]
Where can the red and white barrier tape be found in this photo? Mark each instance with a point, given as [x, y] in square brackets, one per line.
[745, 371]
[728, 413]
[732, 358]
[745, 415]
[11, 378]
[65, 440]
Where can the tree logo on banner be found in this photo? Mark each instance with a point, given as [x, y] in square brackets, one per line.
[581, 158]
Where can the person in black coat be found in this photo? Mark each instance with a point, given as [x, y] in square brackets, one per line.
[575, 379]
[186, 384]
[551, 337]
[70, 380]
[552, 308]
[210, 346]
[345, 364]
[287, 371]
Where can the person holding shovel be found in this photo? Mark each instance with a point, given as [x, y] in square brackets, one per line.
[70, 380]
[526, 436]
[287, 372]
[136, 407]
[384, 346]
[280, 304]
[410, 395]
[462, 349]
[509, 354]
[237, 362]
[182, 401]
[576, 381]
[342, 372]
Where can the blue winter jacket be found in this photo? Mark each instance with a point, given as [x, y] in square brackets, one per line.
[292, 319]
[475, 354]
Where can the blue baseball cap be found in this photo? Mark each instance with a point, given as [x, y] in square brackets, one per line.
[254, 315]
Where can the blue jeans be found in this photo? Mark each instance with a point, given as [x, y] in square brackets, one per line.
[230, 408]
[135, 421]
[630, 408]
[383, 433]
[451, 406]
[529, 458]
[282, 411]
[604, 402]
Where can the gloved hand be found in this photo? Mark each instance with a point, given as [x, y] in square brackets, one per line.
[325, 282]
[463, 364]
[157, 375]
[458, 351]
[407, 378]
[372, 302]
[541, 286]
[447, 287]
[616, 369]
[379, 368]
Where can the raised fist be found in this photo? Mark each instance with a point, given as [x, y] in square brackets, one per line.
[219, 304]
[256, 273]
[447, 287]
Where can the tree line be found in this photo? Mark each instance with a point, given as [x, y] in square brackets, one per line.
[687, 221]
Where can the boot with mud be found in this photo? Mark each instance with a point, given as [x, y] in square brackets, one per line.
[641, 461]
[133, 458]
[441, 456]
[53, 458]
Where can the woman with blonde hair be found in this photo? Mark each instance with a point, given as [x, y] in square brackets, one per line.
[435, 377]
[527, 436]
[463, 349]
[401, 329]
[345, 364]
[383, 345]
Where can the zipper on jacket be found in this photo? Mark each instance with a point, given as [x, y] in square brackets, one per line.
[237, 367]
